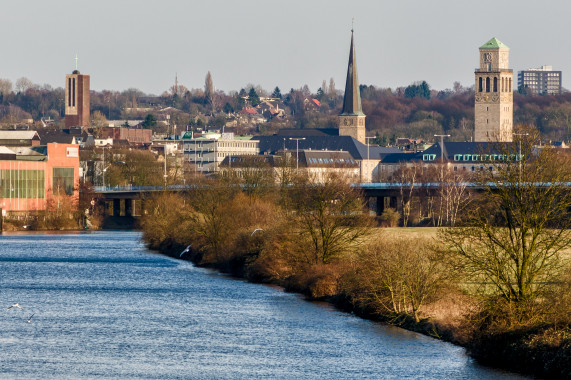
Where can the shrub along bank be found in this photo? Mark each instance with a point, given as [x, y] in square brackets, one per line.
[315, 239]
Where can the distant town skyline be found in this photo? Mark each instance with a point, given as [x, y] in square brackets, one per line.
[144, 45]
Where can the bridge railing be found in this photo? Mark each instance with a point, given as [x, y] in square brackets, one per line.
[361, 186]
[108, 189]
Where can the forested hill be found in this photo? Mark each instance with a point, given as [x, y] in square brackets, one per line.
[415, 111]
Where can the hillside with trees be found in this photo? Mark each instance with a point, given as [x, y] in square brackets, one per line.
[414, 111]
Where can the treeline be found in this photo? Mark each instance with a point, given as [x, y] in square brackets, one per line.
[414, 111]
[498, 282]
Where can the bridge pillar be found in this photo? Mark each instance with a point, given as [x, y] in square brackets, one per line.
[129, 207]
[393, 202]
[380, 205]
[116, 207]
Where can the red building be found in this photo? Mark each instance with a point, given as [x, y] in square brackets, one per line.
[134, 136]
[30, 176]
[77, 100]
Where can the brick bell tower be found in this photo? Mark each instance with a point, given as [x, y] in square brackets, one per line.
[493, 111]
[352, 118]
[76, 99]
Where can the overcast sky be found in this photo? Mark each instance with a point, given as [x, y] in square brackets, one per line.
[144, 44]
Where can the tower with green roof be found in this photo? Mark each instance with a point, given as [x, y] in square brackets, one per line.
[493, 111]
[352, 118]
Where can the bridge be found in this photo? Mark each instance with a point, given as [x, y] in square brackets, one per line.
[129, 201]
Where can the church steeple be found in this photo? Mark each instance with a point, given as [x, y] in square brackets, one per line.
[352, 98]
[352, 118]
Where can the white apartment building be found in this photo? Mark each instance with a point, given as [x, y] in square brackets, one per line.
[209, 151]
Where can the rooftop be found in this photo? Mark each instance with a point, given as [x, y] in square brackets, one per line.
[494, 43]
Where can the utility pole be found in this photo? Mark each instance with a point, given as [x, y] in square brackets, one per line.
[297, 150]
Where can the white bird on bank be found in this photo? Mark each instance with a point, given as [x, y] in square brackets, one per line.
[16, 305]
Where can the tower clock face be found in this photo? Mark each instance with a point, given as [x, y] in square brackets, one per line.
[487, 57]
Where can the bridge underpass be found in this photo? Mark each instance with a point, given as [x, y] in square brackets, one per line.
[129, 202]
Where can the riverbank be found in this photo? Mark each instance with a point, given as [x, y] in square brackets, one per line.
[542, 351]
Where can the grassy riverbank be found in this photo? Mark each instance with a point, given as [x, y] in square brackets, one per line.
[396, 275]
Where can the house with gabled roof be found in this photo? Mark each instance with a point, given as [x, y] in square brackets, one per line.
[19, 138]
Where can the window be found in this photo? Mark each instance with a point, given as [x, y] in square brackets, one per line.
[480, 86]
[21, 183]
[63, 180]
[495, 84]
[69, 92]
[488, 84]
[457, 157]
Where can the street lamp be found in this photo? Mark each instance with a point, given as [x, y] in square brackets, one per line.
[104, 168]
[442, 146]
[368, 153]
[520, 135]
[297, 150]
[165, 154]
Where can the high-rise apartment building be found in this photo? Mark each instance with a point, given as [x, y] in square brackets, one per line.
[494, 94]
[76, 100]
[541, 81]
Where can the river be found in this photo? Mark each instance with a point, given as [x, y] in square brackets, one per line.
[99, 305]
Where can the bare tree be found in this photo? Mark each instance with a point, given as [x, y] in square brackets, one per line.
[391, 279]
[513, 239]
[330, 214]
[208, 89]
[5, 87]
[23, 84]
[332, 91]
[406, 176]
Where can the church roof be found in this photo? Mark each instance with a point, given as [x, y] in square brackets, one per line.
[352, 98]
[494, 43]
[320, 142]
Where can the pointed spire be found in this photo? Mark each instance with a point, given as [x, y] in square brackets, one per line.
[352, 99]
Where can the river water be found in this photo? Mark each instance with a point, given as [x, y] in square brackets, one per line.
[104, 307]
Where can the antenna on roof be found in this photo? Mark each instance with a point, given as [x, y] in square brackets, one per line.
[352, 24]
[76, 61]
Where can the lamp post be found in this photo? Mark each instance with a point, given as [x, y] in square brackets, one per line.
[297, 150]
[165, 152]
[520, 135]
[442, 146]
[104, 168]
[368, 154]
